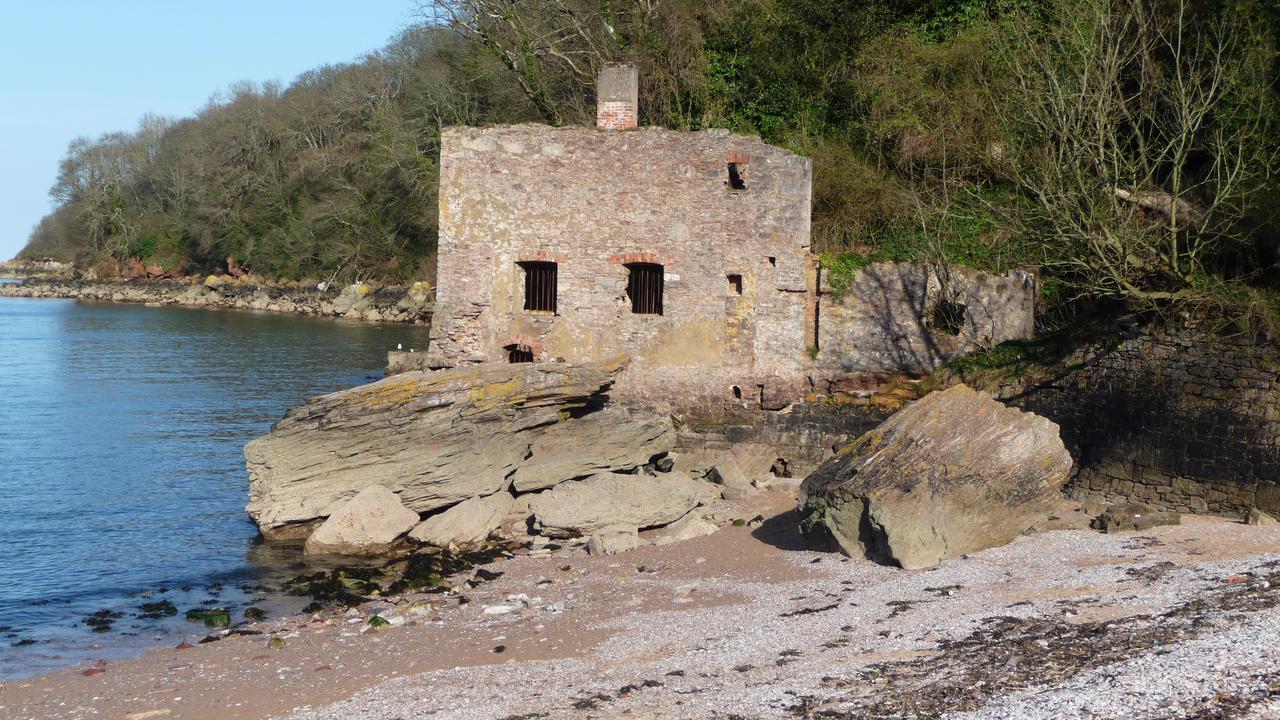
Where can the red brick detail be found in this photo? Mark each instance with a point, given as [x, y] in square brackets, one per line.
[739, 157]
[524, 342]
[636, 257]
[542, 256]
[611, 115]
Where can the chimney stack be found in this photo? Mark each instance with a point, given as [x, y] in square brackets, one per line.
[617, 97]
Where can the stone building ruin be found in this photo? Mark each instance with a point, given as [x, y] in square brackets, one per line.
[689, 252]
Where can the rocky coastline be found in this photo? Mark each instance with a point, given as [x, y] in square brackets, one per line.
[359, 301]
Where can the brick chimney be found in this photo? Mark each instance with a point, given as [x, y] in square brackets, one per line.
[617, 97]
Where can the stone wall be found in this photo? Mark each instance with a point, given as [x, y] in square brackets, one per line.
[886, 320]
[593, 201]
[1186, 420]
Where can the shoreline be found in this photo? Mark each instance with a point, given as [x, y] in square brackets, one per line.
[411, 304]
[745, 621]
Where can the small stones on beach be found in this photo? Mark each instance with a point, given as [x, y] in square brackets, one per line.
[276, 643]
[254, 614]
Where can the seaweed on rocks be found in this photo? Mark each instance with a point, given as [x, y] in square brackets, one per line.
[429, 568]
[102, 620]
[157, 610]
[346, 586]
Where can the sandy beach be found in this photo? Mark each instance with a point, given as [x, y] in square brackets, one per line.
[1174, 622]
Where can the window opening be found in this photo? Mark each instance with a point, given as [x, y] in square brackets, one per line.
[539, 286]
[519, 354]
[737, 176]
[735, 284]
[773, 260]
[948, 316]
[737, 392]
[644, 288]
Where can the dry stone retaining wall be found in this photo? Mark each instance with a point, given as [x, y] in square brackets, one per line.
[1183, 419]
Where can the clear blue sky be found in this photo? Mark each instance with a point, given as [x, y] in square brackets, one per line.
[85, 67]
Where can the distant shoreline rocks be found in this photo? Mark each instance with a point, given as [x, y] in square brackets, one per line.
[358, 301]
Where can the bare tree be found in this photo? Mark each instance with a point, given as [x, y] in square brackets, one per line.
[1137, 132]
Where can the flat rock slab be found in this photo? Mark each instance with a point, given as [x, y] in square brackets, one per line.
[952, 473]
[1131, 516]
[582, 508]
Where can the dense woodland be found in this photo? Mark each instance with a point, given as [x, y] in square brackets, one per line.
[1126, 149]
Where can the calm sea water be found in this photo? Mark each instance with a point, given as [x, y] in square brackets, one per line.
[122, 479]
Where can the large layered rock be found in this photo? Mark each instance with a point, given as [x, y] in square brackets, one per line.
[619, 443]
[582, 508]
[952, 473]
[435, 439]
[367, 524]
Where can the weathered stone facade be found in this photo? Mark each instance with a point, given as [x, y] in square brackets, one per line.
[593, 202]
[552, 241]
[1184, 419]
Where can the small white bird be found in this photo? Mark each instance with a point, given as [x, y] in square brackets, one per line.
[399, 346]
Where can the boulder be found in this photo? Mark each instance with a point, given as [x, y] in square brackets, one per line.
[612, 541]
[728, 473]
[618, 443]
[1257, 517]
[952, 473]
[367, 524]
[1127, 516]
[609, 500]
[467, 523]
[689, 527]
[353, 299]
[435, 439]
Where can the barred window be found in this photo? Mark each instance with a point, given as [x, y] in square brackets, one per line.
[519, 354]
[644, 288]
[539, 286]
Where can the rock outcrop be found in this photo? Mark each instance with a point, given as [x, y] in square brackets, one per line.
[367, 524]
[438, 439]
[954, 472]
[411, 304]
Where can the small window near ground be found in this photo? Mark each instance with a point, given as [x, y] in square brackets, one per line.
[947, 317]
[539, 286]
[519, 354]
[737, 179]
[735, 284]
[772, 260]
[737, 393]
[644, 288]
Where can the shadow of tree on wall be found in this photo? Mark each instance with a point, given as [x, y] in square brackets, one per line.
[1127, 417]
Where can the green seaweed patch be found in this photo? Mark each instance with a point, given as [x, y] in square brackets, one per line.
[211, 617]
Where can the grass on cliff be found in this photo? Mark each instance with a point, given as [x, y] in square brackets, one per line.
[1023, 361]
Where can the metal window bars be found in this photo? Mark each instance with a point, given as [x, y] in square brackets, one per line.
[644, 287]
[539, 286]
